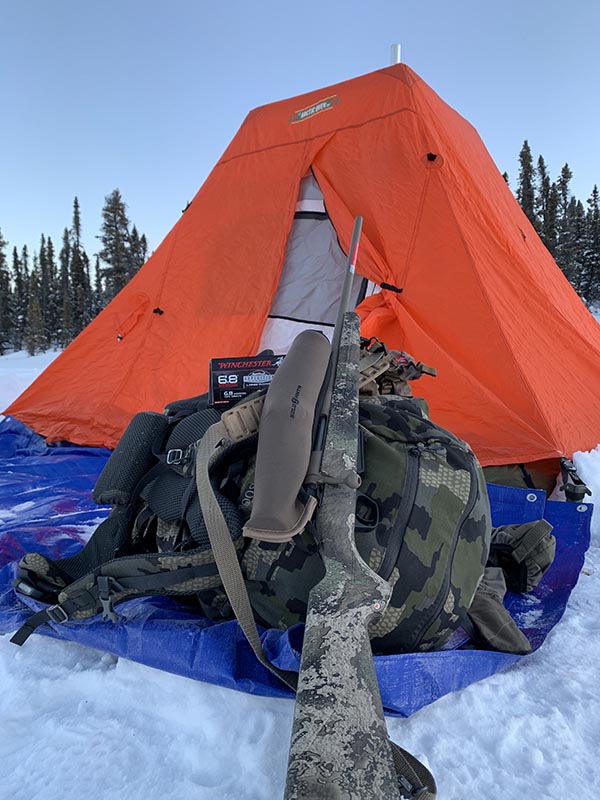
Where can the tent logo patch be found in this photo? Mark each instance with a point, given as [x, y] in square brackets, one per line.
[310, 111]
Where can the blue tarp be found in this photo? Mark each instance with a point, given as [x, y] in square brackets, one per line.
[46, 506]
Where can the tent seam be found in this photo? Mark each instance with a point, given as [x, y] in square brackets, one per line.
[307, 139]
[416, 226]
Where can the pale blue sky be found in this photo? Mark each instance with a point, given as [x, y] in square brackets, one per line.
[145, 95]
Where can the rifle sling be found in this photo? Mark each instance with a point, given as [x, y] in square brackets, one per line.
[412, 772]
[224, 552]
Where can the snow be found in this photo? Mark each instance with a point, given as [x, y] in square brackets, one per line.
[75, 722]
[17, 371]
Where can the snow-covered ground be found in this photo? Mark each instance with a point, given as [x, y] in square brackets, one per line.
[78, 723]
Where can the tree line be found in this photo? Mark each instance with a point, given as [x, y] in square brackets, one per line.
[569, 229]
[48, 297]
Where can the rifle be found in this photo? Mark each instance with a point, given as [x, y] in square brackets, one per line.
[340, 747]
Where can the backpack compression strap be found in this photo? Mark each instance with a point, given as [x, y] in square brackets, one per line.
[123, 579]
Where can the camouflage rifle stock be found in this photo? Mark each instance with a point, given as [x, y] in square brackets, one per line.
[339, 747]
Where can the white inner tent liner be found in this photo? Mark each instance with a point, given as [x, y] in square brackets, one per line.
[312, 276]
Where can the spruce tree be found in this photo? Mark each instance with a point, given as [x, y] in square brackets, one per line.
[541, 196]
[123, 252]
[590, 279]
[36, 340]
[564, 190]
[6, 310]
[53, 313]
[20, 281]
[115, 240]
[565, 225]
[17, 282]
[578, 224]
[525, 187]
[138, 251]
[80, 291]
[98, 294]
[65, 331]
[549, 229]
[45, 285]
[546, 207]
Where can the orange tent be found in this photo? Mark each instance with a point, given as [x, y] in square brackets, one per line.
[482, 300]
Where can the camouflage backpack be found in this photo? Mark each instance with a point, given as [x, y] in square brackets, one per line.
[422, 523]
[422, 520]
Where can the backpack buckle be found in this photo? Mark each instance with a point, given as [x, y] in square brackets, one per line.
[105, 584]
[574, 488]
[181, 459]
[57, 614]
[175, 456]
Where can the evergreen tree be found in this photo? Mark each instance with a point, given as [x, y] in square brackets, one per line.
[45, 284]
[115, 240]
[565, 225]
[541, 196]
[79, 277]
[525, 187]
[53, 311]
[65, 331]
[590, 278]
[138, 251]
[578, 266]
[17, 283]
[98, 294]
[6, 311]
[546, 207]
[123, 252]
[564, 190]
[20, 281]
[35, 335]
[549, 225]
